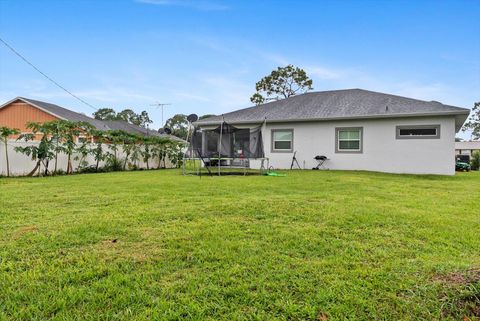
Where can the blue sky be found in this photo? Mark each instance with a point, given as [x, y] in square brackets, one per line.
[205, 56]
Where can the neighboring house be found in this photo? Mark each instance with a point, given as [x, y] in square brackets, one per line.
[17, 112]
[467, 148]
[356, 129]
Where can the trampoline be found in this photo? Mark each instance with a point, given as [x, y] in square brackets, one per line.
[224, 150]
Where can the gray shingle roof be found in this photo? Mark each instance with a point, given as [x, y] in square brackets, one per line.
[67, 114]
[134, 129]
[336, 104]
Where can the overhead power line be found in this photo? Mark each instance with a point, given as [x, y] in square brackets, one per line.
[44, 75]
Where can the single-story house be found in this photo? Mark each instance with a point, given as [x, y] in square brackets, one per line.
[17, 112]
[355, 129]
[467, 148]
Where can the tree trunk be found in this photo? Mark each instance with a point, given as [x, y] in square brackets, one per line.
[96, 166]
[56, 161]
[69, 164]
[56, 158]
[80, 162]
[6, 156]
[46, 168]
[159, 161]
[35, 169]
[126, 160]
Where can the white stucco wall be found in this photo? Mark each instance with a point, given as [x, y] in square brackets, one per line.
[21, 164]
[381, 150]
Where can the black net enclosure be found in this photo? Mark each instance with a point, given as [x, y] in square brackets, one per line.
[224, 147]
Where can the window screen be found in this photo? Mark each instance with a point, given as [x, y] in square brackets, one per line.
[349, 139]
[282, 140]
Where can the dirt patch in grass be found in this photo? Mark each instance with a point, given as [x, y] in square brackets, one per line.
[24, 230]
[461, 294]
[471, 275]
[114, 249]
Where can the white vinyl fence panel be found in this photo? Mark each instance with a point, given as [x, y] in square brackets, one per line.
[21, 164]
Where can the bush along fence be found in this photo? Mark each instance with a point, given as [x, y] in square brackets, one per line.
[65, 147]
[475, 161]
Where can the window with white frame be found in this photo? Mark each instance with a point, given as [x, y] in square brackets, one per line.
[349, 140]
[418, 132]
[282, 140]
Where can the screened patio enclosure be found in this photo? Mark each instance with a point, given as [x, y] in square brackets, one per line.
[223, 147]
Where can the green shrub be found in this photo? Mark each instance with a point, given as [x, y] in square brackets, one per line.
[114, 164]
[60, 172]
[92, 169]
[475, 161]
[132, 166]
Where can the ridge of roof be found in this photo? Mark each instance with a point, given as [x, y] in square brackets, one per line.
[336, 104]
[63, 113]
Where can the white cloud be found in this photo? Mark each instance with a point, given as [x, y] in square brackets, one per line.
[192, 4]
[239, 50]
[278, 59]
[433, 91]
[330, 79]
[323, 72]
[189, 96]
[228, 93]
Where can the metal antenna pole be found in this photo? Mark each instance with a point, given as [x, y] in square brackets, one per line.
[161, 106]
[188, 149]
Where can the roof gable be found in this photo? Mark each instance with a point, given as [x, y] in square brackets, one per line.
[27, 101]
[59, 112]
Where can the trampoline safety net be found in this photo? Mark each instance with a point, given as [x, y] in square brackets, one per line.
[225, 145]
[227, 141]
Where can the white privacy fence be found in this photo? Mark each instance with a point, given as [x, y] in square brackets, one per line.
[21, 164]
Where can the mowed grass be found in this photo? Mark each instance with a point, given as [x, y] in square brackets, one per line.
[314, 245]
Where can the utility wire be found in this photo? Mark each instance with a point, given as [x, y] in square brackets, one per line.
[44, 75]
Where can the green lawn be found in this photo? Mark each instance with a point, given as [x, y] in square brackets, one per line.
[315, 245]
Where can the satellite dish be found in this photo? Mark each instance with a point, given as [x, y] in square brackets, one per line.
[167, 130]
[192, 117]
